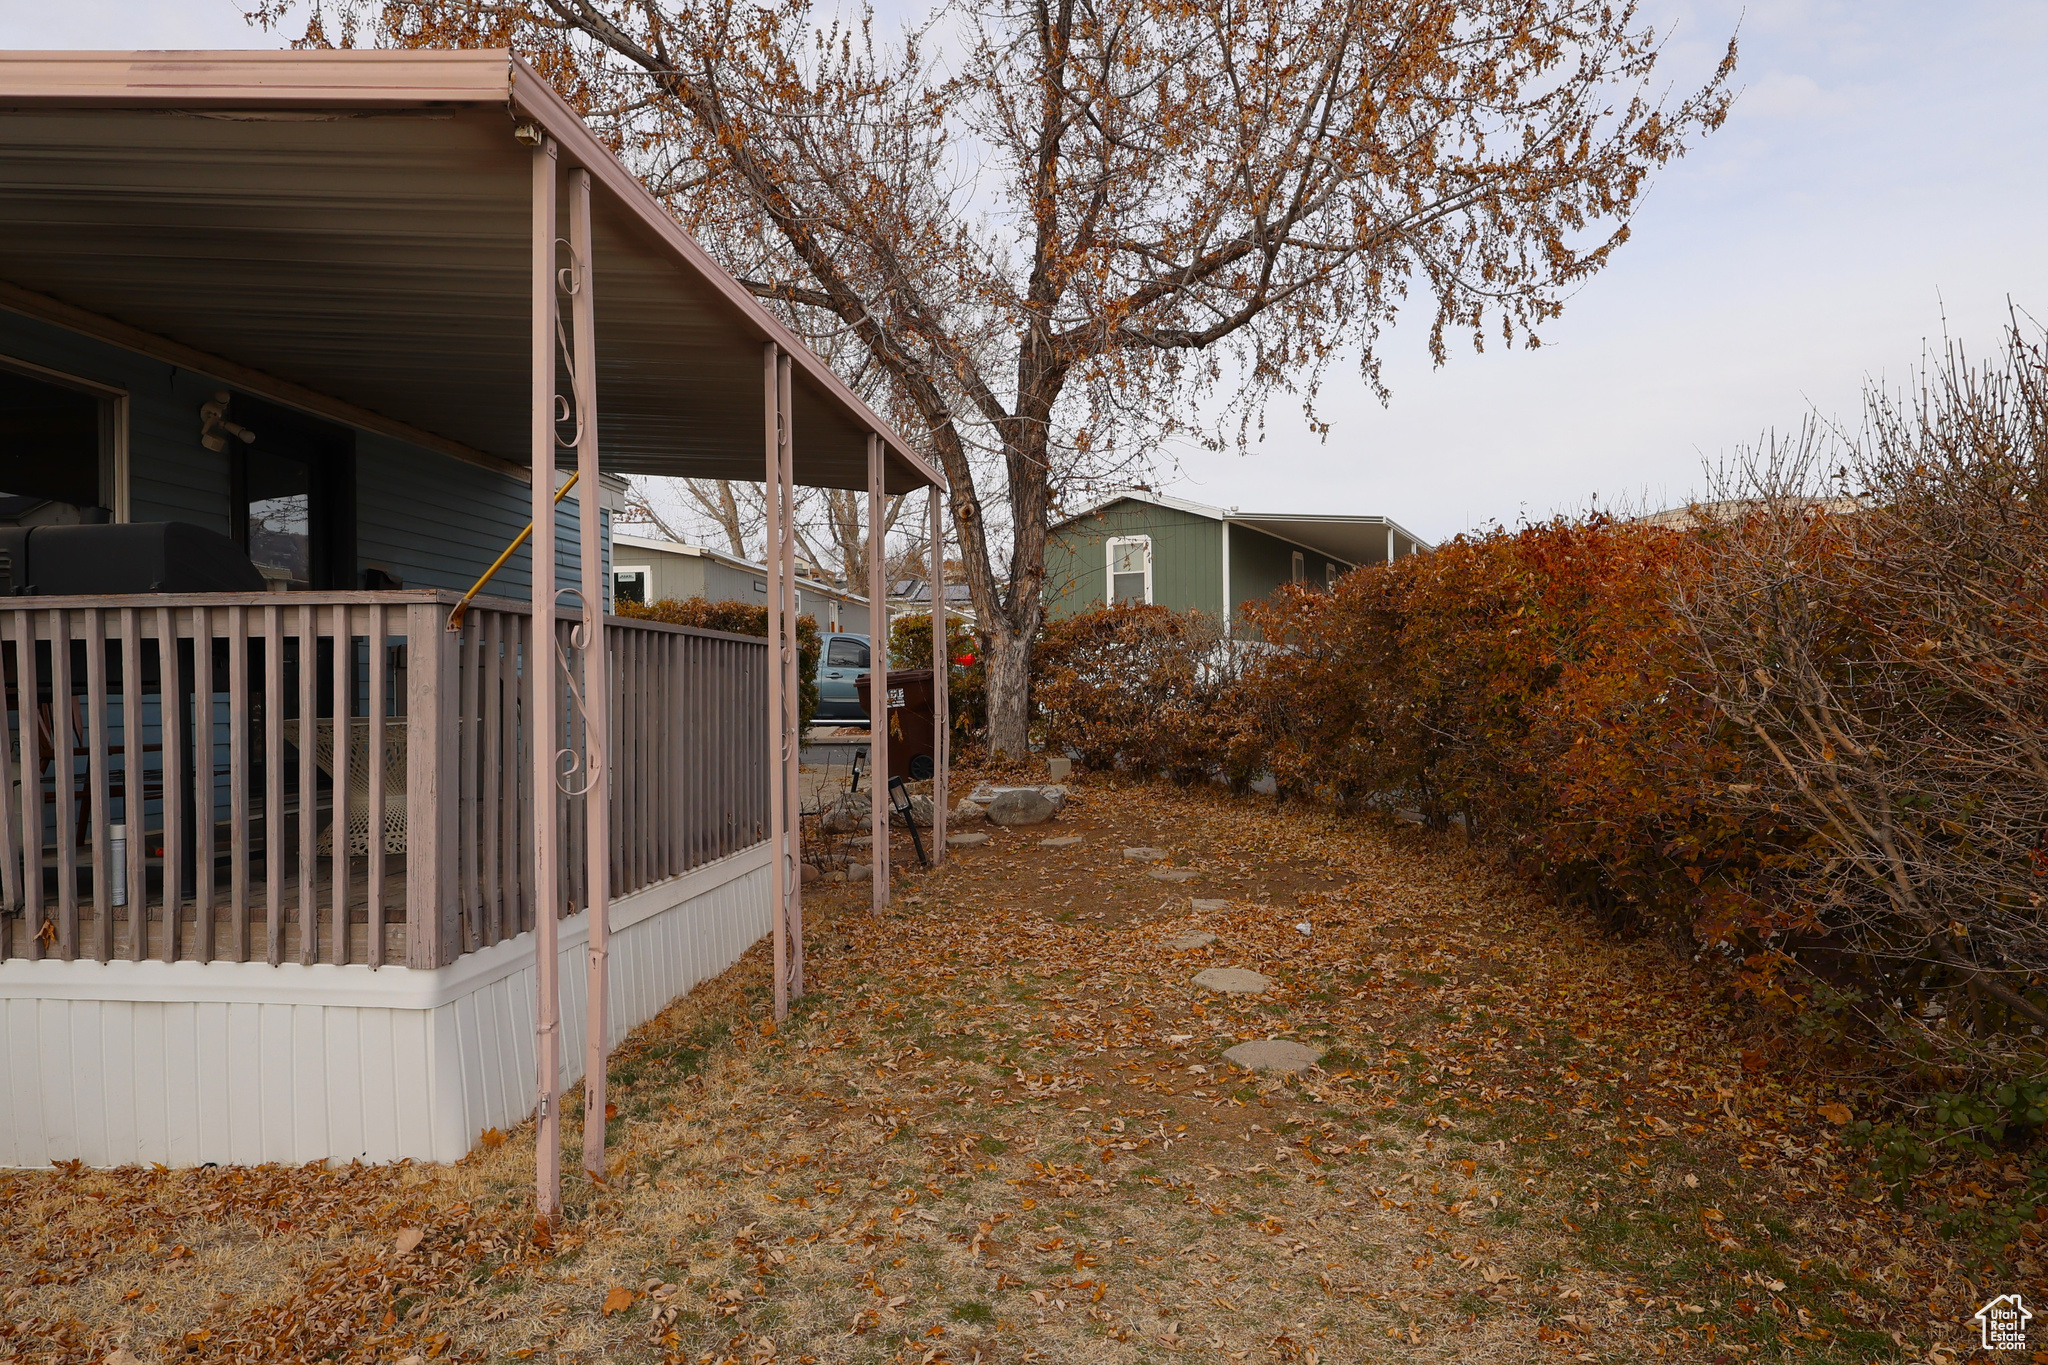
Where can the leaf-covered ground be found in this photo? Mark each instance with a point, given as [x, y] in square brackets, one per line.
[1001, 1128]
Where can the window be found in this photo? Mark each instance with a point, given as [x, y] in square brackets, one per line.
[1329, 575]
[62, 448]
[631, 584]
[1300, 569]
[846, 652]
[294, 496]
[1130, 569]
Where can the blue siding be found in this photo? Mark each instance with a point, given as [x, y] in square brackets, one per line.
[433, 521]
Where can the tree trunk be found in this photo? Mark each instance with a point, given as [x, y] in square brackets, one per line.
[1006, 656]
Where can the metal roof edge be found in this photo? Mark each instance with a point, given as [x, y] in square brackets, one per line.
[733, 560]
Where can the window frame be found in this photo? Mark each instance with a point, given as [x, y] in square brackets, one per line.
[1330, 575]
[1300, 569]
[1109, 567]
[114, 418]
[646, 575]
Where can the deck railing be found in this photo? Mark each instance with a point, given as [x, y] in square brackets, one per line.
[336, 777]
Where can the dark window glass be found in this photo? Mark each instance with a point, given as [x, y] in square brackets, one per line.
[629, 587]
[280, 517]
[49, 441]
[845, 653]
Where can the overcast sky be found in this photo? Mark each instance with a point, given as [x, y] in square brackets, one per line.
[1882, 170]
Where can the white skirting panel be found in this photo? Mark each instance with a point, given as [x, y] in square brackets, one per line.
[240, 1062]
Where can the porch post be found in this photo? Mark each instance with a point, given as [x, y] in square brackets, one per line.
[547, 721]
[942, 730]
[878, 676]
[778, 774]
[792, 696]
[597, 677]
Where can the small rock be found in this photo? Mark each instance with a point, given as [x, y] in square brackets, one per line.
[849, 811]
[1210, 907]
[1022, 806]
[860, 872]
[1062, 841]
[968, 840]
[1232, 981]
[1305, 929]
[1059, 769]
[811, 873]
[862, 841]
[1191, 940]
[1274, 1054]
[1147, 855]
[966, 813]
[837, 874]
[1173, 874]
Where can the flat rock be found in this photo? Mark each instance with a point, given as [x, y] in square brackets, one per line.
[1191, 940]
[1062, 841]
[1209, 907]
[1147, 855]
[985, 793]
[1232, 981]
[1274, 1054]
[1173, 874]
[968, 840]
[1022, 806]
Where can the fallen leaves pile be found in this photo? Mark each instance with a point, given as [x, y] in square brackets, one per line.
[1001, 1128]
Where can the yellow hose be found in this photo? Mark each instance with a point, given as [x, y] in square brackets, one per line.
[462, 607]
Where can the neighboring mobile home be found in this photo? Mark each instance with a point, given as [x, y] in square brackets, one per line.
[646, 570]
[287, 872]
[1144, 547]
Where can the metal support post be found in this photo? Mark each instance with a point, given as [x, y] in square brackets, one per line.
[597, 682]
[878, 674]
[547, 725]
[942, 652]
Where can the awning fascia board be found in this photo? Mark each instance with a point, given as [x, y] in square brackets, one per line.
[237, 375]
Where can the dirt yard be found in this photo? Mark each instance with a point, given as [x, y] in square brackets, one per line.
[1001, 1128]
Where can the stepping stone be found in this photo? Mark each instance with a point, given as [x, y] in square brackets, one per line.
[1210, 907]
[1232, 981]
[1274, 1054]
[968, 840]
[1062, 841]
[1173, 874]
[1147, 855]
[1191, 940]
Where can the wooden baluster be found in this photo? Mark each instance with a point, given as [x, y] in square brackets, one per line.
[468, 760]
[63, 773]
[489, 721]
[273, 782]
[10, 815]
[309, 788]
[134, 785]
[239, 769]
[204, 786]
[341, 690]
[171, 764]
[34, 912]
[96, 769]
[373, 863]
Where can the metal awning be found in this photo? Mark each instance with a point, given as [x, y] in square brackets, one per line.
[1354, 540]
[350, 231]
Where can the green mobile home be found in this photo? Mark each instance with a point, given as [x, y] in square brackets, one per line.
[1144, 547]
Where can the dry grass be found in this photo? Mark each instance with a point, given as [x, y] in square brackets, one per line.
[1000, 1128]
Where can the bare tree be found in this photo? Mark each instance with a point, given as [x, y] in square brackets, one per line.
[1056, 232]
[1892, 663]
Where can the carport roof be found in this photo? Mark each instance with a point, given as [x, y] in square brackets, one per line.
[349, 232]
